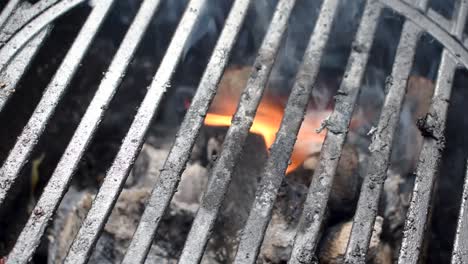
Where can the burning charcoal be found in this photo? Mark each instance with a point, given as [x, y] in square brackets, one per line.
[268, 115]
[334, 243]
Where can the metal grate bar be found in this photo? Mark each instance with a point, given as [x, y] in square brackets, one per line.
[337, 125]
[31, 234]
[417, 217]
[180, 152]
[7, 11]
[280, 152]
[236, 136]
[12, 74]
[112, 185]
[381, 145]
[441, 34]
[458, 24]
[27, 140]
[21, 16]
[15, 44]
[178, 156]
[58, 183]
[416, 221]
[460, 248]
[418, 212]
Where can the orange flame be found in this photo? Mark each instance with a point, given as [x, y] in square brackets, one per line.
[267, 122]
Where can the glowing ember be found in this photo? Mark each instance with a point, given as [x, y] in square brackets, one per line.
[267, 122]
[268, 118]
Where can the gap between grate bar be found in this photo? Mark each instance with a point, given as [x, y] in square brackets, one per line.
[380, 148]
[275, 168]
[314, 209]
[7, 11]
[58, 183]
[109, 191]
[25, 143]
[236, 136]
[460, 248]
[14, 45]
[180, 152]
[13, 72]
[31, 234]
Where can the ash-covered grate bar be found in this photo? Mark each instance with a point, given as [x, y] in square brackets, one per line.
[460, 248]
[115, 178]
[439, 30]
[381, 145]
[280, 152]
[58, 183]
[418, 213]
[434, 141]
[458, 22]
[27, 140]
[31, 234]
[314, 209]
[7, 11]
[13, 72]
[180, 152]
[22, 15]
[14, 45]
[379, 160]
[236, 136]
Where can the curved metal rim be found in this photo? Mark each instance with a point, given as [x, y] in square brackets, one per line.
[16, 43]
[441, 34]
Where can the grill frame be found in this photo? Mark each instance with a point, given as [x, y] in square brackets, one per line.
[22, 45]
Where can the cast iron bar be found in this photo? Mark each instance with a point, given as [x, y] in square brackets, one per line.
[380, 148]
[31, 234]
[460, 248]
[280, 152]
[236, 136]
[437, 30]
[15, 44]
[418, 213]
[13, 72]
[7, 11]
[429, 159]
[378, 165]
[25, 143]
[180, 152]
[314, 209]
[111, 187]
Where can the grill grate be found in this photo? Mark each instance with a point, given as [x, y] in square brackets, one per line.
[21, 43]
